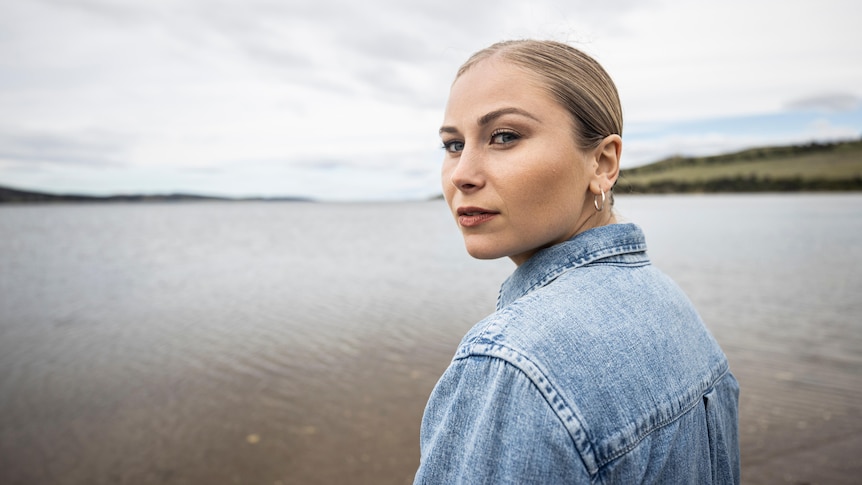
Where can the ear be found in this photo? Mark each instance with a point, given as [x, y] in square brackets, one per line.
[607, 158]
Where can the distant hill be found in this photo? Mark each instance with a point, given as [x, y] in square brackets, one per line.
[811, 167]
[10, 195]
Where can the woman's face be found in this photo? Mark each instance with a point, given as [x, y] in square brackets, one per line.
[513, 175]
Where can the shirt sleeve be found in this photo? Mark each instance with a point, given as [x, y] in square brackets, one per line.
[486, 422]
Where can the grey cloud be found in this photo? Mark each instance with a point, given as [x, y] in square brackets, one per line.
[393, 45]
[831, 103]
[367, 39]
[413, 162]
[267, 31]
[53, 148]
[343, 47]
[325, 164]
[385, 82]
[118, 11]
[256, 28]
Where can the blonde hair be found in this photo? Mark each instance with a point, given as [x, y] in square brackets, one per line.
[574, 79]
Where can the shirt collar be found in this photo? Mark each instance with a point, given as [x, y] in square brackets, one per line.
[611, 241]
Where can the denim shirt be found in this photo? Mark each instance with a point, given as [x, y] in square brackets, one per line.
[595, 368]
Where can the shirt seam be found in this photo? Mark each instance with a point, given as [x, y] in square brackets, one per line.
[590, 258]
[578, 432]
[666, 422]
[587, 259]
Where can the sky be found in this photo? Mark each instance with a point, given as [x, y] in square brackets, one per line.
[342, 100]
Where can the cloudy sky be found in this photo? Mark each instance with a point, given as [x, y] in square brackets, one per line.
[341, 100]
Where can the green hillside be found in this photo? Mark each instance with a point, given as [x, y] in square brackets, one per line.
[812, 167]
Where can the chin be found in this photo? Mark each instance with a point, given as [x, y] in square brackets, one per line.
[480, 251]
[485, 256]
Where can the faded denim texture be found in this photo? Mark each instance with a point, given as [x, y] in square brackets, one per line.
[595, 368]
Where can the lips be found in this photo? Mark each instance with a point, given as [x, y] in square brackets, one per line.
[474, 216]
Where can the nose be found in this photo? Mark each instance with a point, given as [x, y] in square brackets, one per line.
[466, 173]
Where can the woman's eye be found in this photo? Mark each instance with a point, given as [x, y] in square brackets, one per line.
[453, 146]
[504, 137]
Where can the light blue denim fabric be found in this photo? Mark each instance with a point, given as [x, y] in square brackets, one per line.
[595, 368]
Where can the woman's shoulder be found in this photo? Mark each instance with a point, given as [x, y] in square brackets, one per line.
[584, 355]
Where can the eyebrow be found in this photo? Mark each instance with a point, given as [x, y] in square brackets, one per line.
[493, 115]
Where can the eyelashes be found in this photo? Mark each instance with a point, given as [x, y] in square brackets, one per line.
[498, 137]
[503, 137]
[453, 146]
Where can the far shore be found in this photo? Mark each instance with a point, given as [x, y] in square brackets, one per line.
[812, 167]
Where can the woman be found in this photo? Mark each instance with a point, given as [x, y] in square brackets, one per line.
[595, 368]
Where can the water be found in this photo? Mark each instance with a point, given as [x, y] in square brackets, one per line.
[284, 343]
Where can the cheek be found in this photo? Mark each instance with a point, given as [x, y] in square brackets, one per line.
[544, 182]
[548, 194]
